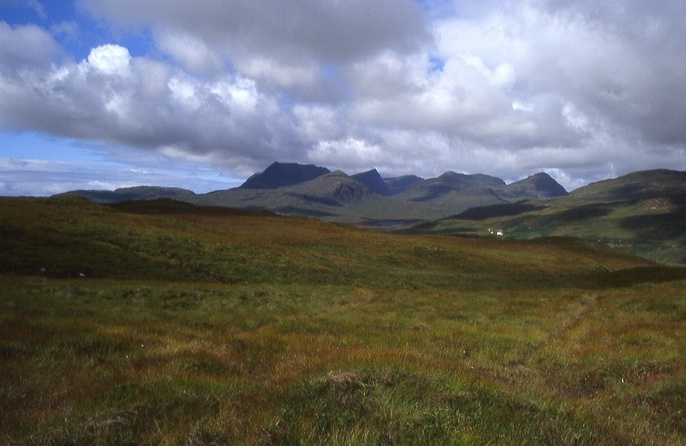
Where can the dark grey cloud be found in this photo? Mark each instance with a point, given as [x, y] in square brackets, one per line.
[282, 44]
[323, 30]
[14, 53]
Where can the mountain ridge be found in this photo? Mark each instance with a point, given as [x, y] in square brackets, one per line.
[367, 197]
[130, 194]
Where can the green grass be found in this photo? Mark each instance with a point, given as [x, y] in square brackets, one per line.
[327, 335]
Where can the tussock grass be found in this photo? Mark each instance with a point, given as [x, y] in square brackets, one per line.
[329, 335]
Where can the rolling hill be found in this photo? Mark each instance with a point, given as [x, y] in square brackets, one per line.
[643, 213]
[167, 239]
[132, 194]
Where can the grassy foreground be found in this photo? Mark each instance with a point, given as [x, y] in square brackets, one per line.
[218, 327]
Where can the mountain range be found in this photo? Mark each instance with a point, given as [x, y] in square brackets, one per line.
[643, 212]
[366, 197]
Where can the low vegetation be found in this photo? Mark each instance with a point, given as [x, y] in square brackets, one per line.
[163, 323]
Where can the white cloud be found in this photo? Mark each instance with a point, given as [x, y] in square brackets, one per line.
[317, 122]
[184, 92]
[239, 94]
[115, 98]
[112, 60]
[152, 77]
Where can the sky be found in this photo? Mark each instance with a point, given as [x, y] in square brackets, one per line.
[100, 94]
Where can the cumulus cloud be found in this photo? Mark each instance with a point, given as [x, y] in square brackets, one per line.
[111, 96]
[111, 60]
[579, 89]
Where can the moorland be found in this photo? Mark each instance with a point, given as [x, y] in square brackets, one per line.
[163, 322]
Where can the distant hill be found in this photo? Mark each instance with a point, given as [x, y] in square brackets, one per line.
[539, 186]
[397, 185]
[133, 193]
[643, 213]
[336, 187]
[284, 174]
[634, 186]
[426, 190]
[331, 196]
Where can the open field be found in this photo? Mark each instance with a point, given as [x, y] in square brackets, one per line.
[212, 326]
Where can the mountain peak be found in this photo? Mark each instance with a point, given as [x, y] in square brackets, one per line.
[540, 186]
[459, 180]
[400, 184]
[284, 174]
[372, 180]
[545, 183]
